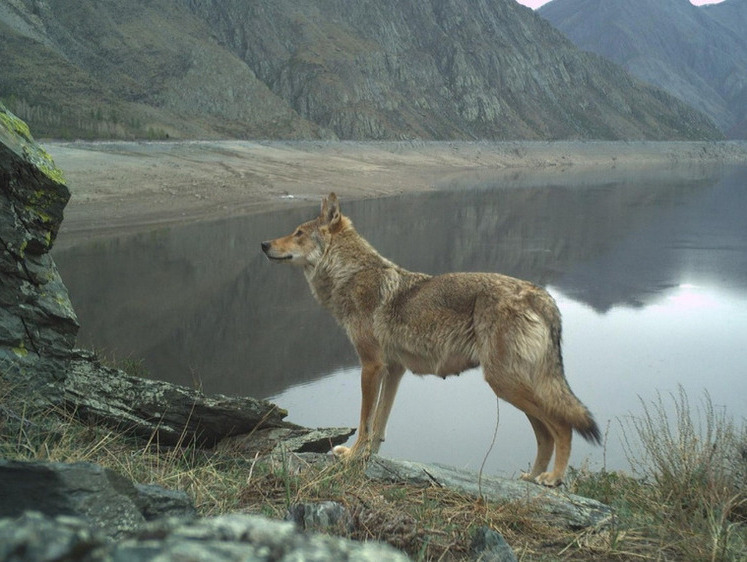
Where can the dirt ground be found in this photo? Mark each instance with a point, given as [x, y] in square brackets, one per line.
[120, 186]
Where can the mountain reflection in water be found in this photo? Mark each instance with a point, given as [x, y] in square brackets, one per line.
[649, 270]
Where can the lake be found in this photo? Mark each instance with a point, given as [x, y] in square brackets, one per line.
[649, 269]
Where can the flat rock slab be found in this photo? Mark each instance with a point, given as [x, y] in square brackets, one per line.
[275, 440]
[168, 414]
[173, 415]
[559, 507]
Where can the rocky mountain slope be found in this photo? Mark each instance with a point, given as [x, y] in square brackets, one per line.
[698, 54]
[114, 69]
[391, 69]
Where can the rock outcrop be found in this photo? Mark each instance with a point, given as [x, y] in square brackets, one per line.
[554, 506]
[170, 414]
[37, 322]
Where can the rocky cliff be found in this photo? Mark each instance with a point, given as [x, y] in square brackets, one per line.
[37, 322]
[391, 69]
[440, 69]
[695, 53]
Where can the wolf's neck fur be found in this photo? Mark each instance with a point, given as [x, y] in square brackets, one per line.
[349, 259]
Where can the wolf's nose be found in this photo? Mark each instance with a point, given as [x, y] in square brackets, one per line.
[265, 246]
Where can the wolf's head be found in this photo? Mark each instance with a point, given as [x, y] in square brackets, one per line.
[306, 245]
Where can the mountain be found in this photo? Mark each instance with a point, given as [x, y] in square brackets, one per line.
[698, 54]
[370, 69]
[732, 14]
[115, 68]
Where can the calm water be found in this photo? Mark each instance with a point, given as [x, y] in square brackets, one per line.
[649, 269]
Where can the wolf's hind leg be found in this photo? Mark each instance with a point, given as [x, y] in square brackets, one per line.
[563, 434]
[545, 445]
[551, 432]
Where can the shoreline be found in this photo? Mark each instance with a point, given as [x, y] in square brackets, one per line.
[121, 187]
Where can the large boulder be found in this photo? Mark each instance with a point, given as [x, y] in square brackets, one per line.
[110, 503]
[37, 323]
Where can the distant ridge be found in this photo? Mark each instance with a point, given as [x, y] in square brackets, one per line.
[698, 54]
[334, 69]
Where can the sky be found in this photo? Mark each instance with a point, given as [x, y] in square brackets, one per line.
[537, 3]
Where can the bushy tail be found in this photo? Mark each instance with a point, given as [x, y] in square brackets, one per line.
[577, 415]
[588, 429]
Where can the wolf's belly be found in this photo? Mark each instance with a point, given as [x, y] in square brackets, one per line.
[442, 366]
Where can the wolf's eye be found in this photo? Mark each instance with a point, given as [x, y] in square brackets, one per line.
[299, 233]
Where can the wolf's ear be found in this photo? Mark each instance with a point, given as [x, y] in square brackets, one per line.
[331, 215]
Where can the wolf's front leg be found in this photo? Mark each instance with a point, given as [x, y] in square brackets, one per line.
[389, 385]
[371, 377]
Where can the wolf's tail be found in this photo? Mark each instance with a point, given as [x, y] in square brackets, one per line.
[570, 407]
[586, 427]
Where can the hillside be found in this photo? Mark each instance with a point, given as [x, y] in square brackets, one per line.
[118, 69]
[697, 54]
[391, 69]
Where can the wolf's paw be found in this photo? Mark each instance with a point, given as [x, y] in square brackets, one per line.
[341, 452]
[355, 452]
[549, 479]
[544, 479]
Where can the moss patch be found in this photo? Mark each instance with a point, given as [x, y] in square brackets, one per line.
[14, 124]
[16, 134]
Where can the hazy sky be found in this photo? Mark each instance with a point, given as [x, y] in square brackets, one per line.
[538, 3]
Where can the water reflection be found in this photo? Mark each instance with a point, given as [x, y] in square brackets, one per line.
[650, 272]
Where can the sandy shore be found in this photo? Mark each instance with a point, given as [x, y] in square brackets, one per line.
[133, 186]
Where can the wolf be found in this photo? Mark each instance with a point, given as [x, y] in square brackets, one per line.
[442, 325]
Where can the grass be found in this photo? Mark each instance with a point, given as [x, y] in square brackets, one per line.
[684, 499]
[688, 488]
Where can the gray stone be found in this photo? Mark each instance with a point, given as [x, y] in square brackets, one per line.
[246, 537]
[37, 323]
[110, 503]
[156, 502]
[34, 537]
[554, 505]
[102, 497]
[490, 546]
[289, 439]
[328, 517]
